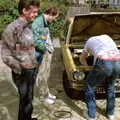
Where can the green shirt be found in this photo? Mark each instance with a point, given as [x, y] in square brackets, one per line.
[40, 31]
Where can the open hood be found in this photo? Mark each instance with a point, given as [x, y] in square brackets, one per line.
[85, 26]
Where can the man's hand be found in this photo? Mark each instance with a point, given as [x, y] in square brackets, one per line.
[14, 65]
[16, 68]
[46, 53]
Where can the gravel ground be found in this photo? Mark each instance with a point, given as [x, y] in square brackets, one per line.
[63, 109]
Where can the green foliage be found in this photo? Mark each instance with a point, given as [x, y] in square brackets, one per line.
[8, 12]
[4, 20]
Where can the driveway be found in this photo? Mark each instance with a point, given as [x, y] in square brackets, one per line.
[63, 109]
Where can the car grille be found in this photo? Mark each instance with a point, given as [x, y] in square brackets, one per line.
[100, 89]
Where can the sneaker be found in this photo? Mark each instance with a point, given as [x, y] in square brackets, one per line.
[51, 96]
[34, 119]
[49, 101]
[111, 117]
[91, 119]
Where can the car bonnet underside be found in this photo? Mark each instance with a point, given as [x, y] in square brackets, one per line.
[77, 30]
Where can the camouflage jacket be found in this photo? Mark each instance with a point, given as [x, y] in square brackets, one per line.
[18, 45]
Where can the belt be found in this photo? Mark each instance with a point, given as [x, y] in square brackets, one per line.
[21, 47]
[26, 47]
[29, 66]
[112, 58]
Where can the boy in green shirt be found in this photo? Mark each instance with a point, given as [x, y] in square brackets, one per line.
[44, 50]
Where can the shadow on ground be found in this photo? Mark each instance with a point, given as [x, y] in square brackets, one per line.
[64, 108]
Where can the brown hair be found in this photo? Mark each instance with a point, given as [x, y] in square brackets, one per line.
[27, 4]
[52, 11]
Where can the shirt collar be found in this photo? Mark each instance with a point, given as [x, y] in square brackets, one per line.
[45, 22]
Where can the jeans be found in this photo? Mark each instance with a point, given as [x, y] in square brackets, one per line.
[103, 73]
[39, 57]
[25, 84]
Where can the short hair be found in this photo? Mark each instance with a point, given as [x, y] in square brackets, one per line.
[27, 4]
[52, 11]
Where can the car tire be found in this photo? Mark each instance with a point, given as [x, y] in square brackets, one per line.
[71, 92]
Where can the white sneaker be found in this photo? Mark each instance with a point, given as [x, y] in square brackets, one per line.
[111, 117]
[49, 101]
[51, 96]
[91, 119]
[88, 118]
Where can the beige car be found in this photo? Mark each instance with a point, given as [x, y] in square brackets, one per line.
[77, 30]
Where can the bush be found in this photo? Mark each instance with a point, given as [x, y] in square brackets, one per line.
[9, 12]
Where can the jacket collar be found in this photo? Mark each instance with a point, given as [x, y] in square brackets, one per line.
[45, 22]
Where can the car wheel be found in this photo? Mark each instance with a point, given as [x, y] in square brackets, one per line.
[71, 92]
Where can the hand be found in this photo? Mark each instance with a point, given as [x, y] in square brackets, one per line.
[14, 65]
[16, 68]
[46, 53]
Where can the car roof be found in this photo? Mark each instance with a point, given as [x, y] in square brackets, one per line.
[96, 13]
[85, 10]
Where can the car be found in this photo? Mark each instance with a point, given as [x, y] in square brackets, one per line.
[77, 29]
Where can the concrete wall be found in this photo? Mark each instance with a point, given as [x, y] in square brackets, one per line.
[79, 1]
[115, 2]
[112, 2]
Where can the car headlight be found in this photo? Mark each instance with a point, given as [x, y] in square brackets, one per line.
[78, 75]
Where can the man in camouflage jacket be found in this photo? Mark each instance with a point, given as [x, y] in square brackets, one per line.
[18, 53]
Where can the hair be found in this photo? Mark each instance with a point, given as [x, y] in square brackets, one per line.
[27, 4]
[52, 11]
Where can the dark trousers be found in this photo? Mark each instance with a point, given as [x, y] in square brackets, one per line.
[25, 84]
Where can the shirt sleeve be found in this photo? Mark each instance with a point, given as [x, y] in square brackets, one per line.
[8, 38]
[85, 49]
[39, 37]
[7, 52]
